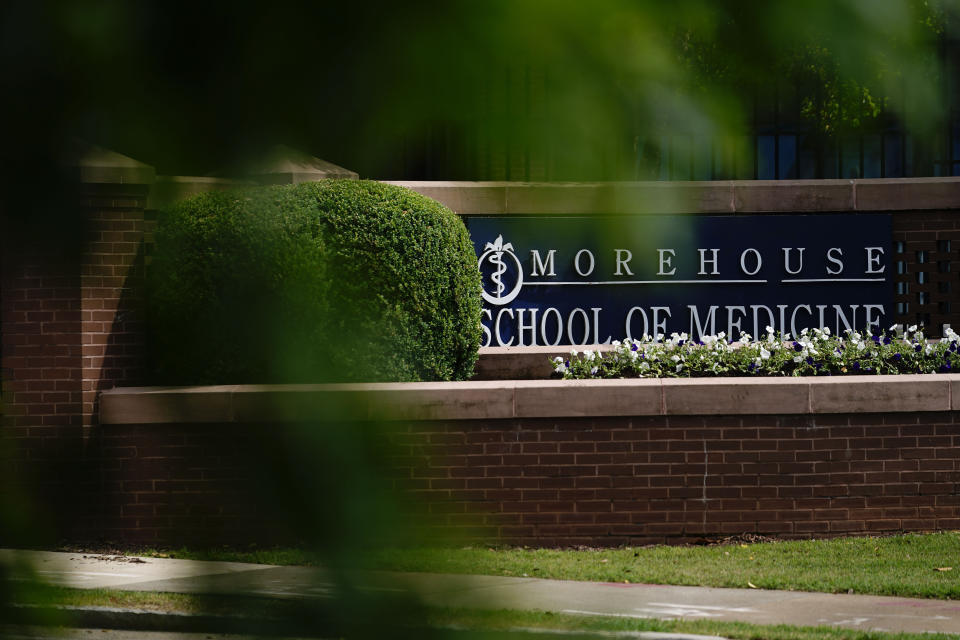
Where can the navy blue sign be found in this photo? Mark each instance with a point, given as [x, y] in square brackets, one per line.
[589, 280]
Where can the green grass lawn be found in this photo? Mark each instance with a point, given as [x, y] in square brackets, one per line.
[908, 565]
[917, 565]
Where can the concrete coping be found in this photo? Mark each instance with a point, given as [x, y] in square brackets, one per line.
[511, 399]
[718, 197]
[285, 165]
[96, 165]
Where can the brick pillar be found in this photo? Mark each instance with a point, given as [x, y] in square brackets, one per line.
[111, 279]
[69, 327]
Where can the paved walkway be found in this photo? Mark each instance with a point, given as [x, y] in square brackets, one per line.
[585, 598]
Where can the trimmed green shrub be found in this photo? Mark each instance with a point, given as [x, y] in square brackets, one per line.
[327, 281]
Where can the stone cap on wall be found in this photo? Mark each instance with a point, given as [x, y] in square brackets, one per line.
[96, 165]
[514, 399]
[285, 165]
[730, 197]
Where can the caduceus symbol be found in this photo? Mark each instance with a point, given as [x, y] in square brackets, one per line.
[494, 252]
[498, 248]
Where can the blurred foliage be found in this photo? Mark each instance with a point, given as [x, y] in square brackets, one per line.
[560, 89]
[847, 59]
[324, 281]
[190, 87]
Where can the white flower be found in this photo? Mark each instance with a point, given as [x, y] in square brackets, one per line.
[594, 370]
[616, 343]
[764, 353]
[573, 353]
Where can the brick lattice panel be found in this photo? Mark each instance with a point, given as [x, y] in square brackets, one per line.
[926, 260]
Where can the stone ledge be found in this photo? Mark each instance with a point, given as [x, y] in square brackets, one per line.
[96, 165]
[902, 194]
[731, 196]
[509, 399]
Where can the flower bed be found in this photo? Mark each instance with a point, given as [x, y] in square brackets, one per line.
[812, 353]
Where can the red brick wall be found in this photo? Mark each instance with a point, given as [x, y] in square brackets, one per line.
[111, 280]
[188, 484]
[70, 329]
[575, 481]
[612, 481]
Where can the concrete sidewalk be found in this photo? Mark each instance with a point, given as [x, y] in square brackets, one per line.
[583, 598]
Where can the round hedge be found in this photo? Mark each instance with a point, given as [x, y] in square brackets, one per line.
[324, 281]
